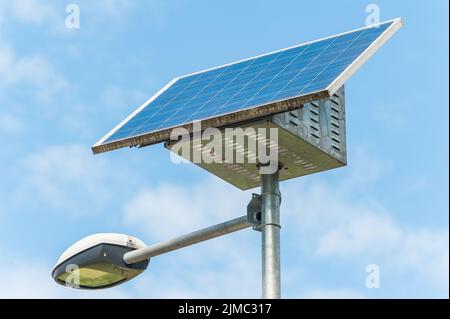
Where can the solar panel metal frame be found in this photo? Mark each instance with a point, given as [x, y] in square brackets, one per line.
[253, 112]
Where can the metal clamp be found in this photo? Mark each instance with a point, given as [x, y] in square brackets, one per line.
[276, 194]
[254, 212]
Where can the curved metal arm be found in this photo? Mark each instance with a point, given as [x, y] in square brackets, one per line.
[187, 240]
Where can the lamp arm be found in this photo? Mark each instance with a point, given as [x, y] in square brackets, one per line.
[189, 239]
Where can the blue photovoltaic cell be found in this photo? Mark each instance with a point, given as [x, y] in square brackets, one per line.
[258, 81]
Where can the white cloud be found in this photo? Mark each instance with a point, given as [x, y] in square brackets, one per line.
[112, 10]
[32, 279]
[394, 115]
[225, 267]
[94, 15]
[347, 230]
[333, 225]
[427, 253]
[351, 229]
[10, 123]
[332, 294]
[114, 97]
[363, 169]
[115, 13]
[33, 72]
[3, 4]
[359, 232]
[35, 12]
[222, 268]
[67, 178]
[170, 209]
[417, 183]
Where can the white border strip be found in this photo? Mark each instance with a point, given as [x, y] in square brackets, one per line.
[291, 47]
[140, 108]
[366, 55]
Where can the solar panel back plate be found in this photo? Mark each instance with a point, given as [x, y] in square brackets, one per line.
[251, 88]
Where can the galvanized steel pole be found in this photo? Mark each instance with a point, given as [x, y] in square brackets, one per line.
[270, 235]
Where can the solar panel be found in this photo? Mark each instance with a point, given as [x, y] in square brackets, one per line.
[251, 88]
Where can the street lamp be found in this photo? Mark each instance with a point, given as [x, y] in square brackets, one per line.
[97, 262]
[297, 93]
[106, 260]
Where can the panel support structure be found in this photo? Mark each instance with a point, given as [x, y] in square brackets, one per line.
[270, 235]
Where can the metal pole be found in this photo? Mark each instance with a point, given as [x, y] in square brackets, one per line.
[186, 240]
[270, 235]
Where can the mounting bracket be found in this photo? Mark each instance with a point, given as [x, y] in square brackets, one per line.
[254, 212]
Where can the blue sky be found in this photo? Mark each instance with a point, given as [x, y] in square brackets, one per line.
[62, 89]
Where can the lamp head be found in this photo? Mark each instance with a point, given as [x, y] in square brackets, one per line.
[96, 262]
